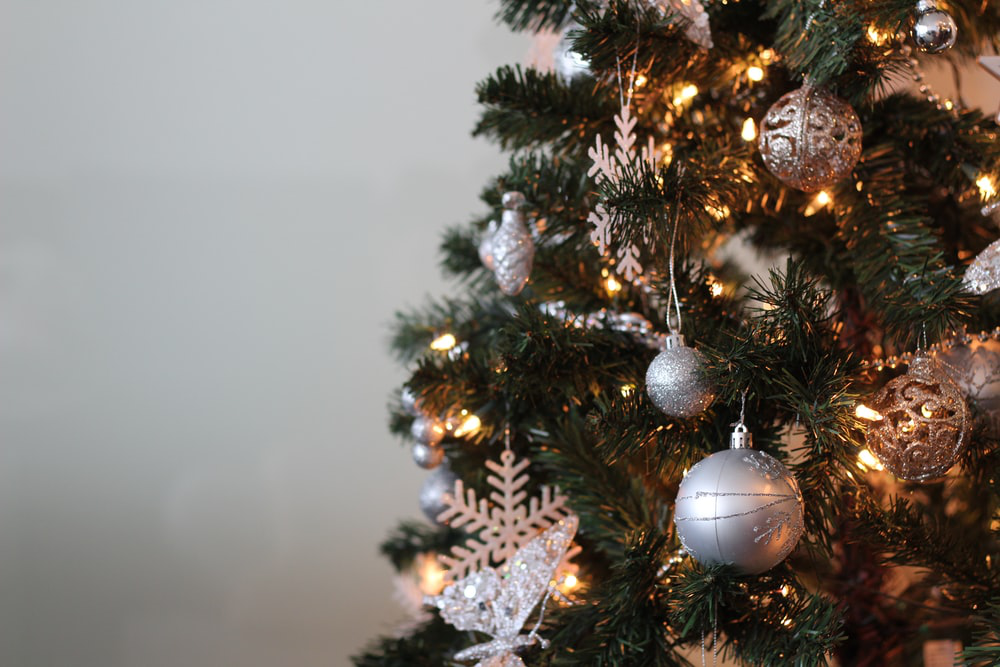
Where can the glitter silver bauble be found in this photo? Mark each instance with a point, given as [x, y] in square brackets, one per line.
[676, 381]
[567, 63]
[934, 30]
[983, 274]
[923, 421]
[740, 507]
[975, 367]
[427, 431]
[437, 491]
[427, 456]
[408, 400]
[810, 139]
[513, 248]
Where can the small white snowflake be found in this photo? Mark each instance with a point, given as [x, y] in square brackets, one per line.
[610, 166]
[503, 526]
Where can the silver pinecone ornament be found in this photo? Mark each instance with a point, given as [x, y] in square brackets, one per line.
[676, 380]
[739, 507]
[509, 251]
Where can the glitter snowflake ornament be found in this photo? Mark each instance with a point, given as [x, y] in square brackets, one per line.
[504, 526]
[609, 166]
[499, 601]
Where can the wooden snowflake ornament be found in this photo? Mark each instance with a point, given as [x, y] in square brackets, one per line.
[502, 524]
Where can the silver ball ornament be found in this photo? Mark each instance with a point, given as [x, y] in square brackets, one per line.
[409, 401]
[437, 489]
[676, 381]
[739, 507]
[810, 139]
[569, 64]
[975, 367]
[934, 30]
[427, 456]
[427, 431]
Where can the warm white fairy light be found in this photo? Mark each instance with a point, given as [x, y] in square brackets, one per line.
[867, 461]
[987, 188]
[755, 73]
[443, 343]
[627, 390]
[864, 412]
[469, 425]
[818, 203]
[749, 132]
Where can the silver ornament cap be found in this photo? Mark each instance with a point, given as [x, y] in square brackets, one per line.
[427, 456]
[437, 491]
[740, 507]
[934, 30]
[425, 430]
[676, 381]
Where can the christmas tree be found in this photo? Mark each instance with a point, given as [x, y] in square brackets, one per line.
[640, 454]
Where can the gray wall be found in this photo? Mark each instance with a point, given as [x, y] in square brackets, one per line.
[209, 210]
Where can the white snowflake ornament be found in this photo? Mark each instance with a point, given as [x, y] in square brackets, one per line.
[610, 166]
[505, 527]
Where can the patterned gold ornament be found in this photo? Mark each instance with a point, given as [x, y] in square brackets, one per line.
[922, 424]
[810, 139]
[975, 366]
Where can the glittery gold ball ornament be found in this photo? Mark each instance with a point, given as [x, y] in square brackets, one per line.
[923, 423]
[975, 366]
[740, 507]
[676, 381]
[810, 139]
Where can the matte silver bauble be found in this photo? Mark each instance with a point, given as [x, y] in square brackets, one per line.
[740, 507]
[512, 246]
[438, 489]
[975, 367]
[676, 381]
[427, 431]
[923, 422]
[567, 63]
[427, 456]
[934, 30]
[810, 139]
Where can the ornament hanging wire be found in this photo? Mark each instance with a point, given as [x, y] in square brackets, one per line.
[672, 297]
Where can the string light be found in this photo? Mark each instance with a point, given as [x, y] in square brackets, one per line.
[749, 130]
[469, 426]
[755, 73]
[717, 289]
[864, 412]
[987, 189]
[819, 202]
[612, 285]
[430, 574]
[688, 92]
[640, 81]
[443, 343]
[867, 461]
[627, 390]
[878, 37]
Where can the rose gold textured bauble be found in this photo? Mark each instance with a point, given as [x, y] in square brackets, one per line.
[810, 139]
[924, 422]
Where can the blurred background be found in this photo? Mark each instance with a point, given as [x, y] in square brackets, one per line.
[209, 211]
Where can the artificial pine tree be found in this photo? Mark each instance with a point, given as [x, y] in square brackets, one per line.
[665, 130]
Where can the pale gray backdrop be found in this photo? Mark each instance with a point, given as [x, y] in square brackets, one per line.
[209, 210]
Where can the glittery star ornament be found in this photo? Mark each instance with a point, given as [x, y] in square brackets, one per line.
[499, 601]
[739, 507]
[923, 422]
